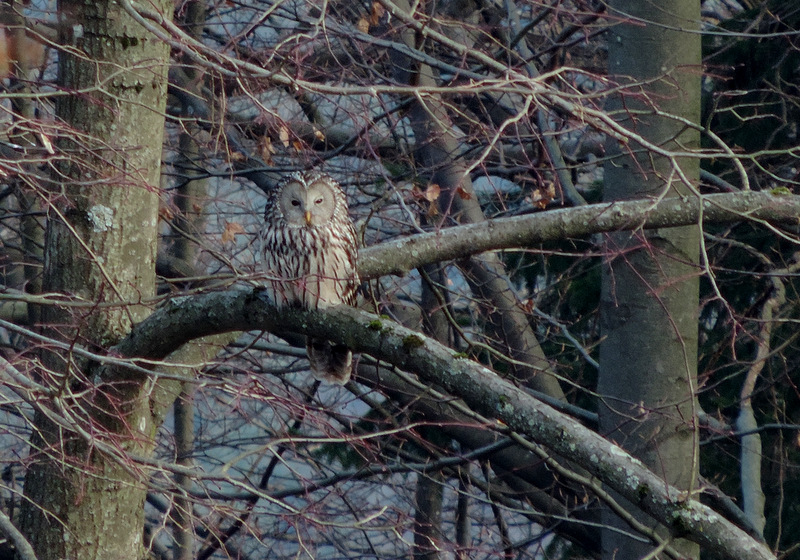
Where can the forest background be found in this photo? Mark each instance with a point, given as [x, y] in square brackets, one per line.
[578, 323]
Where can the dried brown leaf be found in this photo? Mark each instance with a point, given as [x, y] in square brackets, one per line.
[377, 13]
[283, 135]
[432, 193]
[232, 229]
[463, 193]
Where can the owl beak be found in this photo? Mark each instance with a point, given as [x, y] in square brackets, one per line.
[308, 217]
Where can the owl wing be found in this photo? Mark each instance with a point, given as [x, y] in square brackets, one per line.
[281, 267]
[334, 362]
[333, 277]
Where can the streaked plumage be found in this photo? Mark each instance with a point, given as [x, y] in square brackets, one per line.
[309, 253]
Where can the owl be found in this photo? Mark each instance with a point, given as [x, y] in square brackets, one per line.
[309, 249]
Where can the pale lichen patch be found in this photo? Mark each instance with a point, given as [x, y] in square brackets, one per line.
[101, 217]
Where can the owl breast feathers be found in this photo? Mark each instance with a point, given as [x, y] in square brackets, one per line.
[309, 251]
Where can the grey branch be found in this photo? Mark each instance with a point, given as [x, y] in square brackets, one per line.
[400, 256]
[485, 392]
[23, 547]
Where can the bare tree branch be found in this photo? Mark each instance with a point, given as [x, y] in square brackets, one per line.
[21, 544]
[402, 255]
[480, 388]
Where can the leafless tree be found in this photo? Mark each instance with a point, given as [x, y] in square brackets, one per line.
[577, 328]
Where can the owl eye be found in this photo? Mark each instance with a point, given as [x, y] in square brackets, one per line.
[295, 202]
[318, 201]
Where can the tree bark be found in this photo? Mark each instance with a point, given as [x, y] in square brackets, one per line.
[400, 256]
[428, 517]
[428, 531]
[198, 316]
[650, 293]
[100, 246]
[191, 199]
[438, 150]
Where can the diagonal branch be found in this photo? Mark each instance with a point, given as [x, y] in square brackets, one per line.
[488, 394]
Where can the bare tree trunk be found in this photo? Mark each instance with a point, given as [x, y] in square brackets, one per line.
[428, 517]
[101, 246]
[183, 531]
[428, 533]
[461, 519]
[191, 197]
[438, 151]
[648, 358]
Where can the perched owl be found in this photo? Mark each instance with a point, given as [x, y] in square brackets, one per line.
[309, 253]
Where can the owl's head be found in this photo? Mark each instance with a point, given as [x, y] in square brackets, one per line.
[308, 199]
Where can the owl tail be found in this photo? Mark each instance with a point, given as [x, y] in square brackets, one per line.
[329, 362]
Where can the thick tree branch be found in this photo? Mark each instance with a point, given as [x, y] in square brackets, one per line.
[400, 256]
[488, 394]
[21, 544]
[531, 479]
